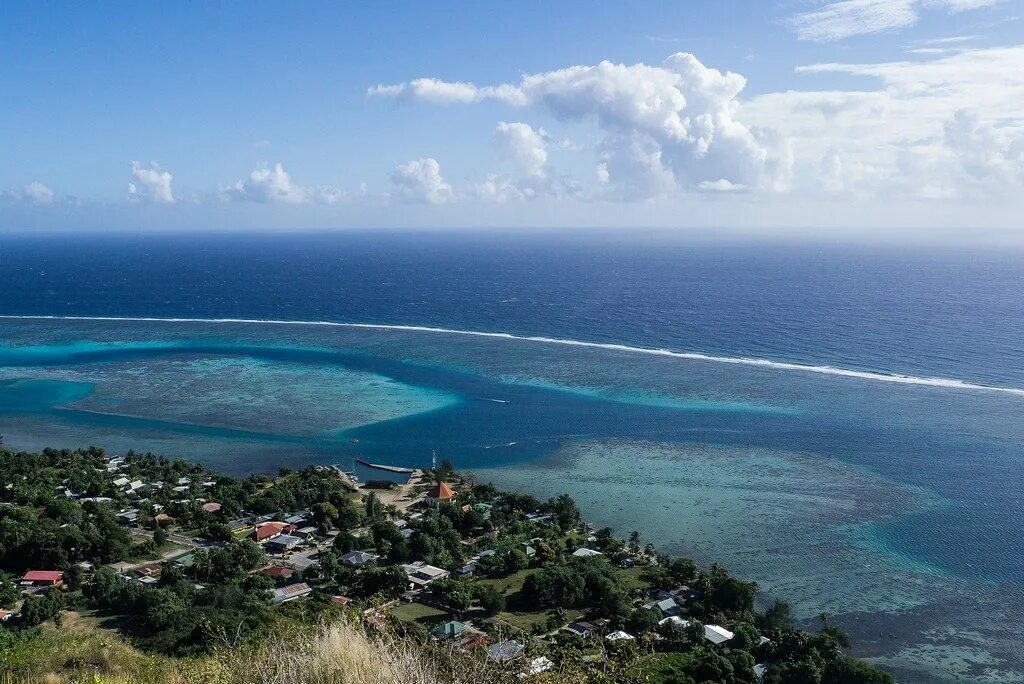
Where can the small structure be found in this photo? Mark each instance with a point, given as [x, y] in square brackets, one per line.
[211, 507]
[162, 519]
[341, 600]
[440, 493]
[282, 543]
[43, 578]
[666, 607]
[584, 552]
[290, 593]
[357, 559]
[278, 572]
[420, 574]
[5, 615]
[505, 650]
[537, 666]
[716, 634]
[760, 669]
[448, 630]
[268, 530]
[619, 635]
[582, 628]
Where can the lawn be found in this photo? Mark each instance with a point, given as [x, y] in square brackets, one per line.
[631, 578]
[511, 584]
[417, 612]
[526, 621]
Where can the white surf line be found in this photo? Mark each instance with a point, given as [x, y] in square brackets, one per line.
[947, 383]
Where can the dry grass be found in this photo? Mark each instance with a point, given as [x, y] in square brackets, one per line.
[345, 652]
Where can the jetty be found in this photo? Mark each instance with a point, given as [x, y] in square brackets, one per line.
[392, 469]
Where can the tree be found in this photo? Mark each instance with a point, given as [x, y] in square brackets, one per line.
[490, 599]
[389, 582]
[846, 670]
[9, 594]
[565, 511]
[159, 537]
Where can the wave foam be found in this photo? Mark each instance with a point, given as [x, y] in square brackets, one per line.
[948, 383]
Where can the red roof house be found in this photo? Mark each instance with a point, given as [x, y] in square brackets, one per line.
[278, 572]
[43, 578]
[268, 530]
[440, 492]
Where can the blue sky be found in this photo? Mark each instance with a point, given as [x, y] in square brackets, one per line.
[786, 115]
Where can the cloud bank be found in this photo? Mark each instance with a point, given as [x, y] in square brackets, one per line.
[667, 126]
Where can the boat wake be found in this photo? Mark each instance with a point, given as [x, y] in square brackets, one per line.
[876, 376]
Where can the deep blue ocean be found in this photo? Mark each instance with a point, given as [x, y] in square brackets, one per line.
[842, 424]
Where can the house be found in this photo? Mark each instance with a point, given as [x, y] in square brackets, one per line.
[211, 507]
[665, 606]
[162, 519]
[121, 482]
[582, 628]
[148, 570]
[341, 600]
[528, 550]
[357, 559]
[267, 530]
[290, 593]
[127, 517]
[466, 570]
[420, 574]
[43, 578]
[538, 665]
[584, 552]
[440, 493]
[760, 669]
[505, 650]
[297, 518]
[619, 635]
[674, 621]
[282, 543]
[716, 634]
[5, 615]
[448, 630]
[134, 485]
[277, 572]
[184, 481]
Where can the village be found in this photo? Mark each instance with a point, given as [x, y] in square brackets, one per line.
[522, 583]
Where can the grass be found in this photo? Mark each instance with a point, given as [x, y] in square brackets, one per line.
[512, 584]
[526, 620]
[417, 612]
[345, 652]
[631, 578]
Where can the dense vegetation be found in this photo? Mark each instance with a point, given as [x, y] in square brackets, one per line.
[522, 573]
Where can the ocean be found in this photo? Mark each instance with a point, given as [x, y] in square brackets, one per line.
[840, 423]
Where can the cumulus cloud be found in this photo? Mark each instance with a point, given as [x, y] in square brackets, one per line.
[270, 185]
[666, 126]
[524, 145]
[37, 193]
[151, 184]
[420, 181]
[32, 193]
[846, 18]
[919, 132]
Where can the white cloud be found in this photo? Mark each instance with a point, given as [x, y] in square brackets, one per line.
[420, 180]
[846, 18]
[520, 142]
[672, 125]
[941, 127]
[32, 193]
[269, 185]
[152, 184]
[37, 193]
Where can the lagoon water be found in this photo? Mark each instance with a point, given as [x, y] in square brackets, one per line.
[843, 425]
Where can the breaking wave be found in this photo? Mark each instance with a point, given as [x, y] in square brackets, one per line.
[949, 383]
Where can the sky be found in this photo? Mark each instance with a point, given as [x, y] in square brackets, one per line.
[807, 117]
